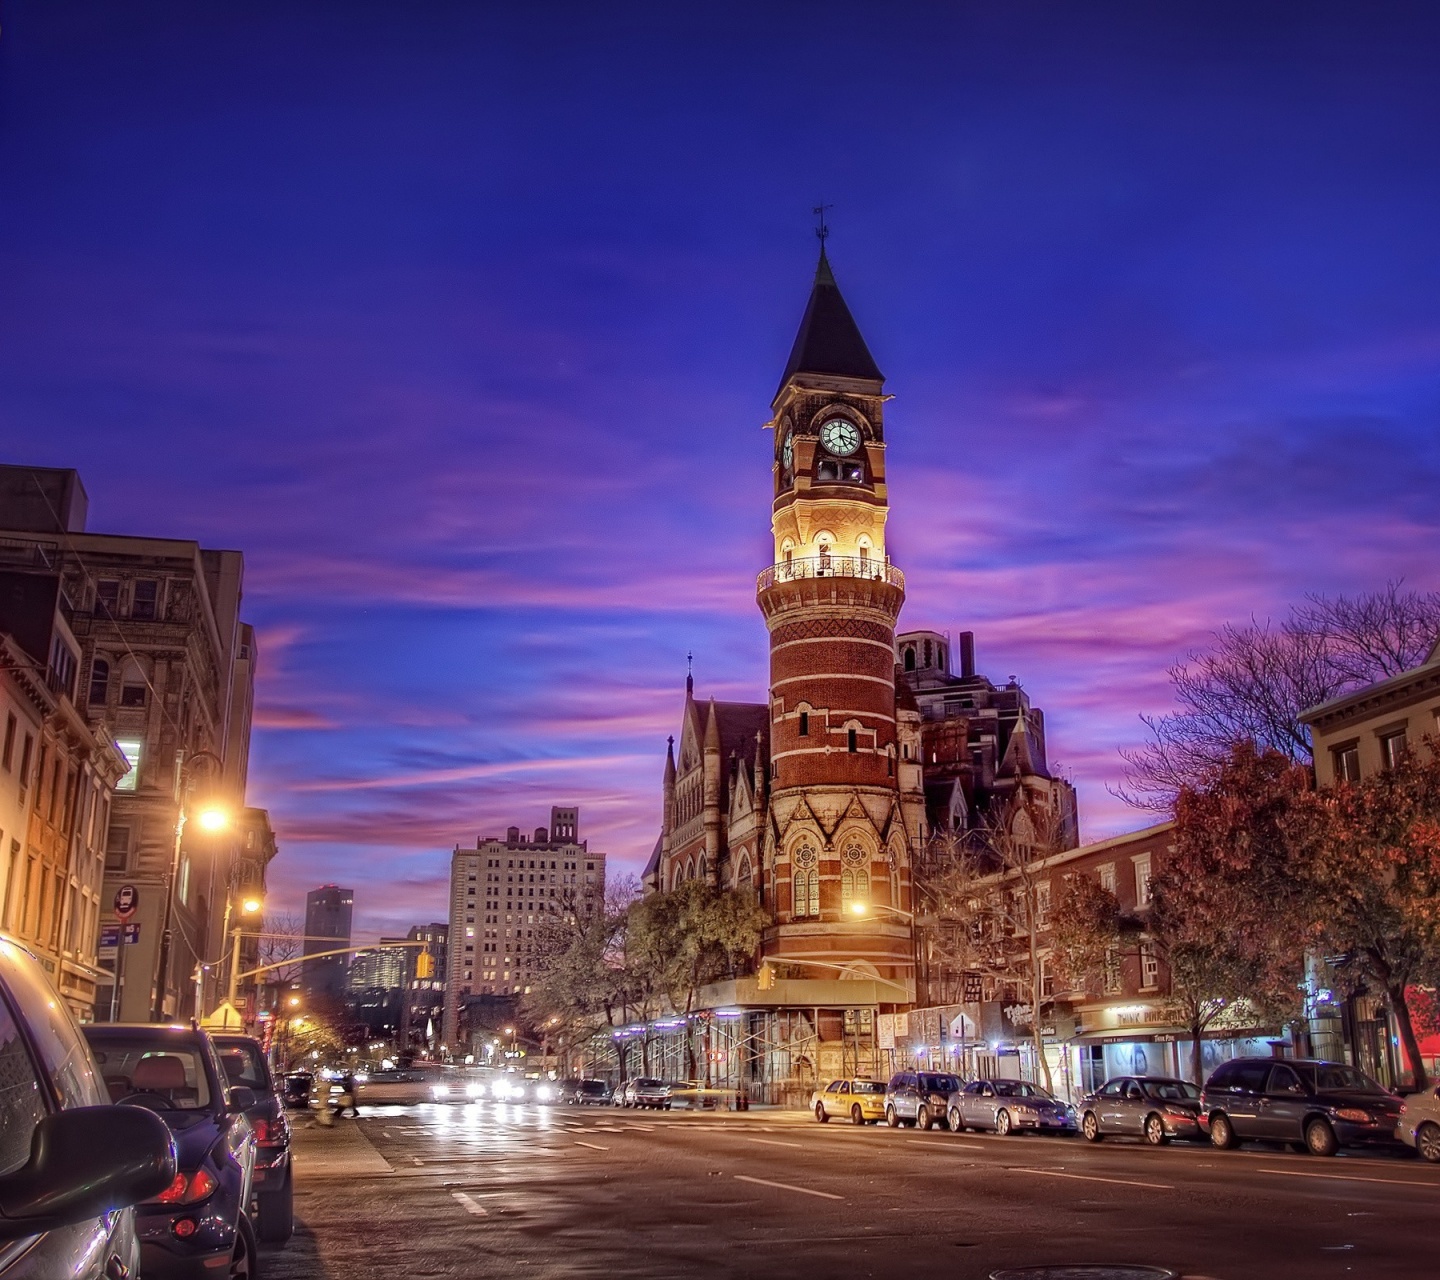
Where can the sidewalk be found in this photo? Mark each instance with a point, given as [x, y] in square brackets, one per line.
[339, 1152]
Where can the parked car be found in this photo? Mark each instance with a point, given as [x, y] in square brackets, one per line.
[858, 1101]
[1008, 1106]
[921, 1098]
[243, 1061]
[1419, 1123]
[625, 1094]
[71, 1163]
[594, 1093]
[295, 1089]
[1318, 1106]
[1156, 1108]
[201, 1221]
[650, 1092]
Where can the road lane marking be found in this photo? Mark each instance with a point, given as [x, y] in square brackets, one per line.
[1086, 1177]
[385, 1133]
[591, 1145]
[1348, 1177]
[419, 1162]
[785, 1186]
[940, 1144]
[775, 1142]
[470, 1205]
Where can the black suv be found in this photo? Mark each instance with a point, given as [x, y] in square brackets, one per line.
[921, 1098]
[244, 1063]
[1317, 1106]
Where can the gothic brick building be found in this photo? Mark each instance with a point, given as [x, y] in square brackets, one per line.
[820, 798]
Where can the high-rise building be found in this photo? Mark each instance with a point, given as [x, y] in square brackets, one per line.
[328, 912]
[166, 669]
[501, 892]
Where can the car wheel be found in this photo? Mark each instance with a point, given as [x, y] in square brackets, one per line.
[955, 1125]
[1090, 1127]
[245, 1260]
[277, 1211]
[892, 1117]
[820, 1112]
[856, 1115]
[1427, 1142]
[1155, 1130]
[1222, 1132]
[922, 1118]
[1320, 1139]
[1002, 1122]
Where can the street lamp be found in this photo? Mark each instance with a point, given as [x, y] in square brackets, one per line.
[212, 818]
[862, 908]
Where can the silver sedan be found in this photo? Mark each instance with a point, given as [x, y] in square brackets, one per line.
[1009, 1106]
[1155, 1108]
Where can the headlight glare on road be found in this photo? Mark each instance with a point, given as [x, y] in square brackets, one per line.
[544, 1093]
[440, 1091]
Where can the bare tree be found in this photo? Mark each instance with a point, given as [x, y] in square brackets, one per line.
[991, 901]
[282, 946]
[1253, 684]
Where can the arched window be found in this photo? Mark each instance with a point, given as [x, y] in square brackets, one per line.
[806, 880]
[909, 657]
[744, 877]
[99, 681]
[854, 877]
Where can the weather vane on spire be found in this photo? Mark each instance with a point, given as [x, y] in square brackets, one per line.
[822, 232]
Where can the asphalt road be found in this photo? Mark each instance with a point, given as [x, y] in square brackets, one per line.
[493, 1189]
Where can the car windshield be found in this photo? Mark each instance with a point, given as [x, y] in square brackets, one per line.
[244, 1064]
[153, 1070]
[1021, 1089]
[1172, 1090]
[867, 1086]
[1334, 1075]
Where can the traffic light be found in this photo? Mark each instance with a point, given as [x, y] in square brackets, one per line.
[765, 978]
[424, 965]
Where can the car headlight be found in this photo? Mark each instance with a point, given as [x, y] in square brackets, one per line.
[440, 1091]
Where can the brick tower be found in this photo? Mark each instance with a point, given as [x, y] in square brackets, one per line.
[846, 799]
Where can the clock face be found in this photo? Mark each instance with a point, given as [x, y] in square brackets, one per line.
[787, 451]
[840, 437]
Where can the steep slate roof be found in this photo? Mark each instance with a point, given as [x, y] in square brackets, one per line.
[829, 340]
[739, 722]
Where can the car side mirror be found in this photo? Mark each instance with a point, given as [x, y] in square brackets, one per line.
[240, 1098]
[83, 1163]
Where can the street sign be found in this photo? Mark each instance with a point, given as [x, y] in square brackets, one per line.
[132, 934]
[109, 937]
[127, 899]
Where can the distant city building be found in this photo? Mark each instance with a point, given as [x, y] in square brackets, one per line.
[166, 669]
[379, 968]
[57, 780]
[501, 891]
[328, 912]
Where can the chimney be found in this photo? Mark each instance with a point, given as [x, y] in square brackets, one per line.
[967, 654]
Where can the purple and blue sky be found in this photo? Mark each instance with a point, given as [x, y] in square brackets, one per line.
[461, 320]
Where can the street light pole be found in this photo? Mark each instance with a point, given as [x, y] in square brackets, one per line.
[162, 965]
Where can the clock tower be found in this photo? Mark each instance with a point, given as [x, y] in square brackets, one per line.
[846, 803]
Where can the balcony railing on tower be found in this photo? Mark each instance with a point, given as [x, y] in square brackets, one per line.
[827, 566]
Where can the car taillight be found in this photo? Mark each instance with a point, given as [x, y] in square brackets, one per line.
[1350, 1113]
[262, 1131]
[188, 1188]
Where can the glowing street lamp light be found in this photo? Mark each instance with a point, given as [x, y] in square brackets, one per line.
[213, 818]
[862, 908]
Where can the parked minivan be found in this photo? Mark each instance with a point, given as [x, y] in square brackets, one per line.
[920, 1098]
[1317, 1106]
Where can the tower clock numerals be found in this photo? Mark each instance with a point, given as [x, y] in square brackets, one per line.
[840, 437]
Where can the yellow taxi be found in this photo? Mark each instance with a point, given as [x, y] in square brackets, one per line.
[858, 1101]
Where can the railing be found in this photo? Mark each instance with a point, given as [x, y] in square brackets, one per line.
[830, 567]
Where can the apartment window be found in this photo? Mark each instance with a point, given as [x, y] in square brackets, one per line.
[1149, 966]
[1113, 974]
[804, 724]
[1042, 905]
[7, 757]
[1347, 762]
[1392, 747]
[142, 602]
[107, 598]
[1142, 881]
[1107, 877]
[25, 753]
